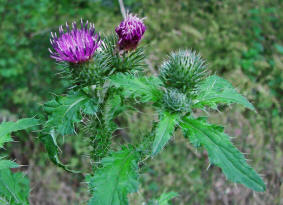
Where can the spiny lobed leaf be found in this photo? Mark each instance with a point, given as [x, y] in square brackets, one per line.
[52, 149]
[144, 88]
[116, 179]
[65, 111]
[6, 128]
[222, 153]
[164, 131]
[214, 90]
[14, 187]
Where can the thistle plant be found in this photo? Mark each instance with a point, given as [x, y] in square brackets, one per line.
[108, 82]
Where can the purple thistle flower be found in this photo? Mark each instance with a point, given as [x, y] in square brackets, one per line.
[75, 45]
[130, 32]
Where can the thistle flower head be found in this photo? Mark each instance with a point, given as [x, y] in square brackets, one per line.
[130, 32]
[76, 45]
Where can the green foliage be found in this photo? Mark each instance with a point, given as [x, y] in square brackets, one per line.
[113, 107]
[6, 128]
[164, 131]
[144, 88]
[7, 164]
[222, 153]
[214, 90]
[14, 187]
[65, 111]
[53, 149]
[116, 179]
[4, 139]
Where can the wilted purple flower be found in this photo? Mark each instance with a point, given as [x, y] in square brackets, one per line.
[75, 45]
[130, 32]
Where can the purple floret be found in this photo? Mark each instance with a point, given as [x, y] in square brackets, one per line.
[75, 45]
[130, 32]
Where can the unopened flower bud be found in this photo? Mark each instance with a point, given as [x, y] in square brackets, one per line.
[130, 32]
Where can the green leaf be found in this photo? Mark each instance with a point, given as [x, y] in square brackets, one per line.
[4, 139]
[144, 88]
[164, 131]
[14, 187]
[6, 128]
[116, 179]
[166, 197]
[214, 90]
[65, 111]
[222, 153]
[7, 164]
[52, 149]
[112, 109]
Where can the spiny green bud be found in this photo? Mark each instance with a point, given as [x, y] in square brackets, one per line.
[183, 70]
[175, 101]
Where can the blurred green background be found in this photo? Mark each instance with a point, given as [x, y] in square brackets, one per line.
[242, 40]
